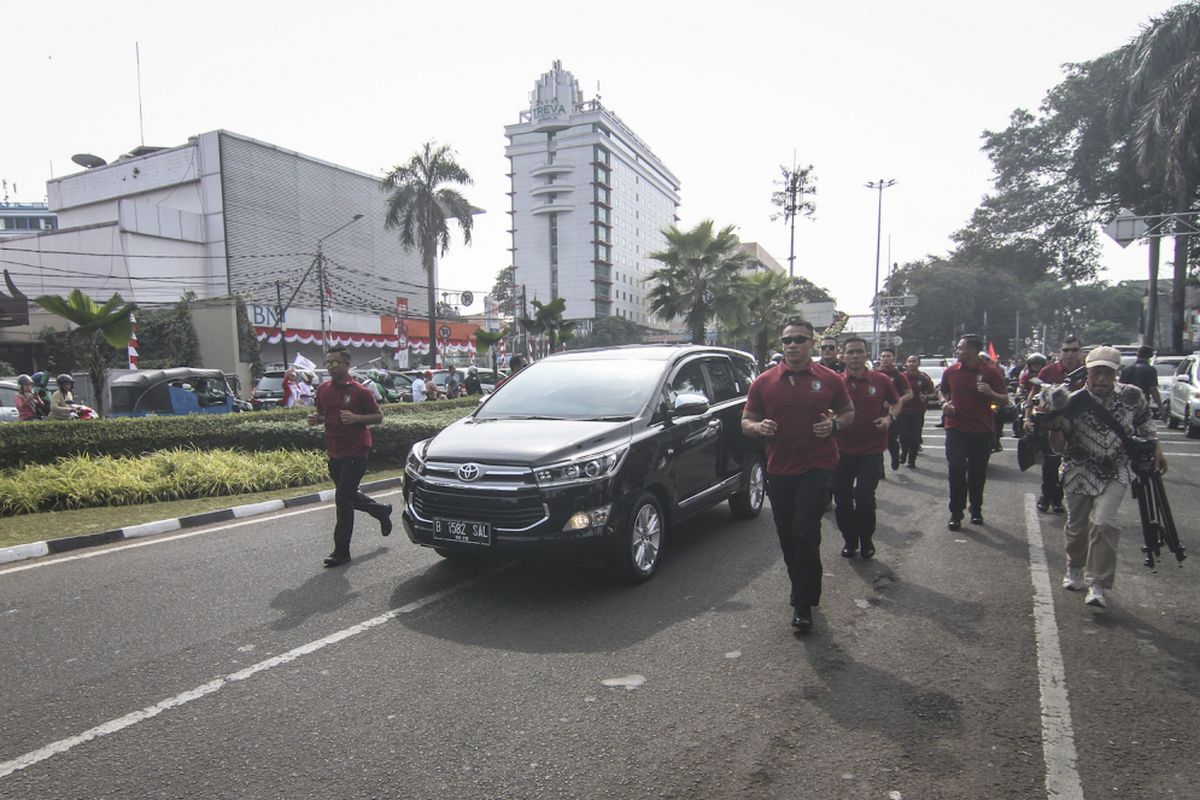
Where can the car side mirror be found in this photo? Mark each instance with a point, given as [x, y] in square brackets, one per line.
[1184, 378]
[689, 404]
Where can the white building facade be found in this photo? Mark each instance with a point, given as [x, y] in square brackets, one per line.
[589, 203]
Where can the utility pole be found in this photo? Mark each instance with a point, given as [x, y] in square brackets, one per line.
[321, 291]
[279, 321]
[881, 184]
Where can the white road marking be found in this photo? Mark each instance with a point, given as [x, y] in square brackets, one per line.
[113, 726]
[164, 539]
[1058, 737]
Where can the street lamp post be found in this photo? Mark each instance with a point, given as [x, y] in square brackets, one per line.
[880, 184]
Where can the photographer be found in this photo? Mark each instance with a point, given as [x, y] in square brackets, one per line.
[1097, 468]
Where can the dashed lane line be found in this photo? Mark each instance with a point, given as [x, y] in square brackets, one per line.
[1058, 736]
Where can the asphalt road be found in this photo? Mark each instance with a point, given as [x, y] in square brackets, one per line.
[226, 663]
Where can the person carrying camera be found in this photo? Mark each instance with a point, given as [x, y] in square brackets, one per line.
[1097, 468]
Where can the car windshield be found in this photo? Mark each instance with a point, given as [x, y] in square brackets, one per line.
[576, 389]
[269, 383]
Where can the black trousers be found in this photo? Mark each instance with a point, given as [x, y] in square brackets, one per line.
[854, 484]
[347, 473]
[967, 455]
[797, 504]
[1052, 490]
[908, 428]
[895, 448]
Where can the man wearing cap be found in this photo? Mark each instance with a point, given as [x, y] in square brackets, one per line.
[1070, 359]
[1096, 471]
[968, 389]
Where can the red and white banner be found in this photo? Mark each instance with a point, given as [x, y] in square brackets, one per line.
[133, 344]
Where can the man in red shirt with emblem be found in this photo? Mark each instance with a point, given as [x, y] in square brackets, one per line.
[887, 365]
[798, 405]
[912, 413]
[346, 407]
[1070, 359]
[860, 446]
[968, 390]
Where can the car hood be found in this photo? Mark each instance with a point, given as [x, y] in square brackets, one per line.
[527, 442]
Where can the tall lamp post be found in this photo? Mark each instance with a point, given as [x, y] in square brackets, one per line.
[321, 275]
[880, 184]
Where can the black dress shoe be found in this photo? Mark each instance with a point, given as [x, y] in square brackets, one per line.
[955, 523]
[336, 560]
[1043, 504]
[385, 521]
[1057, 508]
[895, 464]
[977, 519]
[802, 619]
[868, 550]
[848, 552]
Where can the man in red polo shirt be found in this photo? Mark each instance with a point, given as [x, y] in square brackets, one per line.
[1070, 360]
[860, 446]
[346, 407]
[887, 365]
[968, 390]
[797, 406]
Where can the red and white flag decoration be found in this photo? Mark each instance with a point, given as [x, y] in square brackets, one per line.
[133, 350]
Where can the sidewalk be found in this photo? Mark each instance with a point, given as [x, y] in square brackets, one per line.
[53, 546]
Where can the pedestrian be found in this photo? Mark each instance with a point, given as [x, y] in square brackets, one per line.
[860, 448]
[1096, 470]
[454, 382]
[912, 412]
[1142, 375]
[969, 388]
[1026, 392]
[346, 408]
[26, 400]
[829, 355]
[291, 395]
[517, 364]
[306, 395]
[423, 387]
[798, 406]
[887, 365]
[472, 384]
[1070, 359]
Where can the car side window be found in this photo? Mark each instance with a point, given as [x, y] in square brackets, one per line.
[1184, 367]
[725, 386]
[690, 379]
[743, 369]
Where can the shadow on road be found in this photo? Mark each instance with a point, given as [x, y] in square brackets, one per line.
[326, 591]
[522, 608]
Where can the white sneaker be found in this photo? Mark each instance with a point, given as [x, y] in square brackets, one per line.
[1073, 580]
[1095, 596]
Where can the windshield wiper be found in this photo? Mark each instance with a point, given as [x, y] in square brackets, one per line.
[614, 418]
[531, 416]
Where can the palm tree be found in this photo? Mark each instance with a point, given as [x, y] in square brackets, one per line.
[773, 299]
[421, 205]
[548, 319]
[701, 279]
[1162, 100]
[97, 325]
[486, 341]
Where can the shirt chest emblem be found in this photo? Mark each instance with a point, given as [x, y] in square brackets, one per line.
[345, 399]
[871, 390]
[816, 385]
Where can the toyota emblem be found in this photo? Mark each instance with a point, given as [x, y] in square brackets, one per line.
[468, 472]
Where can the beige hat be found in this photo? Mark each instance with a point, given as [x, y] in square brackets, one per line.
[1104, 357]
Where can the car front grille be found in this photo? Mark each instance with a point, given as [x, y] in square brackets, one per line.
[507, 510]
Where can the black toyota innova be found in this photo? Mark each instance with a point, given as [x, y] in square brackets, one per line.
[604, 451]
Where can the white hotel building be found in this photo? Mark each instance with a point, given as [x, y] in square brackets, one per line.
[589, 202]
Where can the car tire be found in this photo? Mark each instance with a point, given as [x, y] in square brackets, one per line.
[748, 501]
[639, 547]
[1172, 423]
[1193, 427]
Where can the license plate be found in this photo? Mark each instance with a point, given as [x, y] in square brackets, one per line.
[462, 532]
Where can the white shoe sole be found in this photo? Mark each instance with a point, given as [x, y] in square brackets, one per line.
[1093, 600]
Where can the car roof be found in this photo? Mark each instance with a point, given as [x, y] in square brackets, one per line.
[642, 352]
[148, 376]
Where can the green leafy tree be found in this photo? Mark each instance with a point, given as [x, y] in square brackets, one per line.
[505, 294]
[421, 202]
[486, 341]
[249, 351]
[167, 338]
[772, 298]
[701, 278]
[611, 332]
[793, 198]
[547, 320]
[96, 326]
[7, 368]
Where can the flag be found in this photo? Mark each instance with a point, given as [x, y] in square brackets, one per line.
[133, 346]
[992, 352]
[303, 363]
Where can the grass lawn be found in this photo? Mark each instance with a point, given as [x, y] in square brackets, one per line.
[57, 524]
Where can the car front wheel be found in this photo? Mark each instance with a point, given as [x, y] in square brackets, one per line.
[640, 544]
[1172, 423]
[748, 501]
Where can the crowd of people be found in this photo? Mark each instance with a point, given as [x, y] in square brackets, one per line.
[828, 422]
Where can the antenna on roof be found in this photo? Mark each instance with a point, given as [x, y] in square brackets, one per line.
[137, 54]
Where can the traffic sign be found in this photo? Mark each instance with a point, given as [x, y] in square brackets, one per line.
[467, 298]
[444, 331]
[1126, 227]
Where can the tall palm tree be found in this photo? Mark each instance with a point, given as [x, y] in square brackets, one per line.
[486, 341]
[97, 325]
[548, 319]
[421, 204]
[772, 298]
[701, 278]
[1162, 100]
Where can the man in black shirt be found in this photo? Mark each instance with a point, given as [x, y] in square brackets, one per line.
[1142, 375]
[829, 355]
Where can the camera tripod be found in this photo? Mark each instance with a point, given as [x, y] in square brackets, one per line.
[1158, 526]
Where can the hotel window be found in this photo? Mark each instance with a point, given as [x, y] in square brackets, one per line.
[553, 255]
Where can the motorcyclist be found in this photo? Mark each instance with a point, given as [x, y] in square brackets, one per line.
[62, 402]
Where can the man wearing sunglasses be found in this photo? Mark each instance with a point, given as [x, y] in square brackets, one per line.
[829, 355]
[968, 389]
[1070, 359]
[798, 406]
[346, 408]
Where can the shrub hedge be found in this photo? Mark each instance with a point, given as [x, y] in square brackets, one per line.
[43, 442]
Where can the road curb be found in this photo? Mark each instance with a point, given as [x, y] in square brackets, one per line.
[22, 552]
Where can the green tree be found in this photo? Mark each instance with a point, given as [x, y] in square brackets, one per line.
[7, 368]
[797, 187]
[772, 298]
[547, 320]
[611, 332]
[420, 203]
[96, 326]
[1161, 102]
[505, 295]
[486, 341]
[701, 279]
[167, 338]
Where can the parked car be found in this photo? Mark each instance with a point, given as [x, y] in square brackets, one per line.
[181, 390]
[1184, 405]
[268, 392]
[602, 452]
[1166, 366]
[8, 399]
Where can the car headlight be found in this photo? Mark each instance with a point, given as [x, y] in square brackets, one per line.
[415, 463]
[583, 469]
